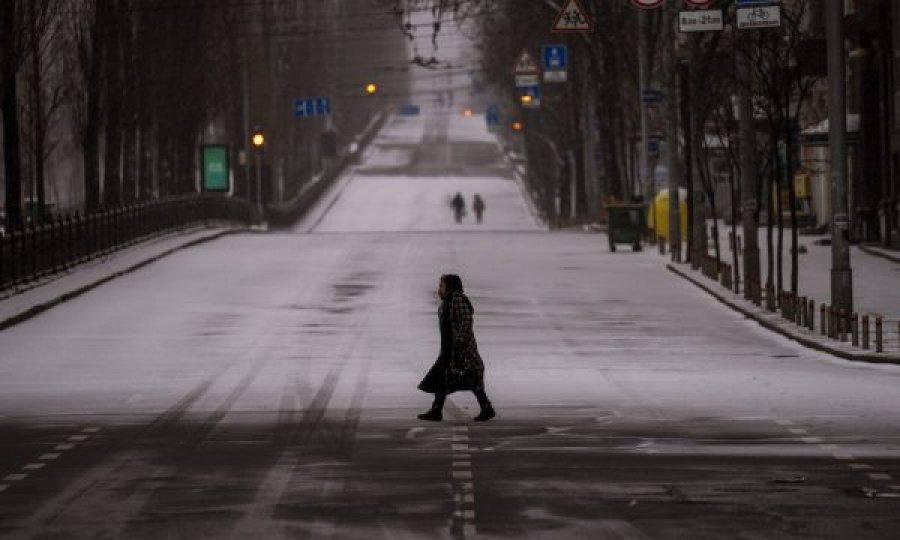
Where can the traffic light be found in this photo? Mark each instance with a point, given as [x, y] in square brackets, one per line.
[371, 89]
[258, 139]
[517, 126]
[526, 99]
[467, 112]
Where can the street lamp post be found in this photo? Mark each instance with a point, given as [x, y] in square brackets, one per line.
[559, 166]
[841, 273]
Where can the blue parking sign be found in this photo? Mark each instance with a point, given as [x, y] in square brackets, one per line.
[555, 57]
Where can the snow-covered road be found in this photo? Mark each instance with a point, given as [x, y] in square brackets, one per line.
[263, 386]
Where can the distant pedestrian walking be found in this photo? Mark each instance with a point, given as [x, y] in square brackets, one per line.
[458, 366]
[478, 207]
[459, 207]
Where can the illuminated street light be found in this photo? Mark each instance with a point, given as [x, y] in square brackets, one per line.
[517, 126]
[258, 139]
[527, 99]
[467, 113]
[371, 88]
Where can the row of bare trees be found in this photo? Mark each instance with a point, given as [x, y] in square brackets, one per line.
[787, 67]
[107, 101]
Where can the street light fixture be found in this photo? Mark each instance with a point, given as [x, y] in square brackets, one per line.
[258, 141]
[371, 89]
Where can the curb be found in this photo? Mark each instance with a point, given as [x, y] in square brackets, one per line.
[879, 253]
[44, 306]
[871, 358]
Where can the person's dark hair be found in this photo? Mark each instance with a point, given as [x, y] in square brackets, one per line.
[452, 282]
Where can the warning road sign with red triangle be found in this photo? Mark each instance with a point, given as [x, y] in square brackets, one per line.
[525, 64]
[572, 18]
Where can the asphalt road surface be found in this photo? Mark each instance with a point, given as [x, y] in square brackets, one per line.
[264, 386]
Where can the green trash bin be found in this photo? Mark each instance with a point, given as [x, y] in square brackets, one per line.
[626, 225]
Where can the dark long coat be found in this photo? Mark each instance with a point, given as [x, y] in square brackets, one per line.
[458, 366]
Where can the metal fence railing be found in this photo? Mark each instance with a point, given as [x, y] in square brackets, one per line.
[35, 252]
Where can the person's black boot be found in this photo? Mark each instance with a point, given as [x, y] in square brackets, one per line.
[486, 414]
[434, 415]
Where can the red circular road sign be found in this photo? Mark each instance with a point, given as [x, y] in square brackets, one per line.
[648, 4]
[698, 3]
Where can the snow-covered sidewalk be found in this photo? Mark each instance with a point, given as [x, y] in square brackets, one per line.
[875, 292]
[25, 301]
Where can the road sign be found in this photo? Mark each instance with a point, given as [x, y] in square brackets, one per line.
[529, 79]
[557, 75]
[651, 95]
[530, 96]
[525, 64]
[572, 18]
[313, 106]
[215, 168]
[706, 20]
[652, 148]
[750, 18]
[648, 4]
[492, 116]
[555, 57]
[409, 110]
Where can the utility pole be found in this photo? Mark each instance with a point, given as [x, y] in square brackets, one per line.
[686, 126]
[670, 101]
[642, 75]
[749, 175]
[841, 273]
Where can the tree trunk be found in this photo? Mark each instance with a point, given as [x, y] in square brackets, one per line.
[112, 177]
[91, 126]
[38, 120]
[792, 202]
[770, 211]
[779, 252]
[9, 105]
[129, 103]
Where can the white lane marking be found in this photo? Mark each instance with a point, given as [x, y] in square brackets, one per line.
[463, 429]
[77, 438]
[33, 466]
[811, 440]
[798, 431]
[90, 430]
[461, 475]
[880, 476]
[135, 399]
[465, 486]
[462, 464]
[784, 422]
[859, 466]
[49, 456]
[469, 514]
[469, 530]
[829, 447]
[895, 487]
[3, 487]
[65, 446]
[15, 477]
[460, 438]
[413, 431]
[461, 447]
[468, 498]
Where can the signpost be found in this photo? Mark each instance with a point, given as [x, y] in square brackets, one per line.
[749, 18]
[216, 177]
[706, 20]
[555, 61]
[648, 4]
[572, 18]
[526, 70]
[312, 106]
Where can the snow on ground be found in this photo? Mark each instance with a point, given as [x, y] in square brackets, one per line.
[876, 281]
[410, 203]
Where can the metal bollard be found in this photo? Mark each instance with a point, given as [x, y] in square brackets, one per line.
[799, 304]
[879, 346]
[823, 319]
[865, 332]
[854, 329]
[842, 325]
[811, 319]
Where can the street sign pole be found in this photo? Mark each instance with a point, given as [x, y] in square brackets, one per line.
[642, 75]
[841, 273]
